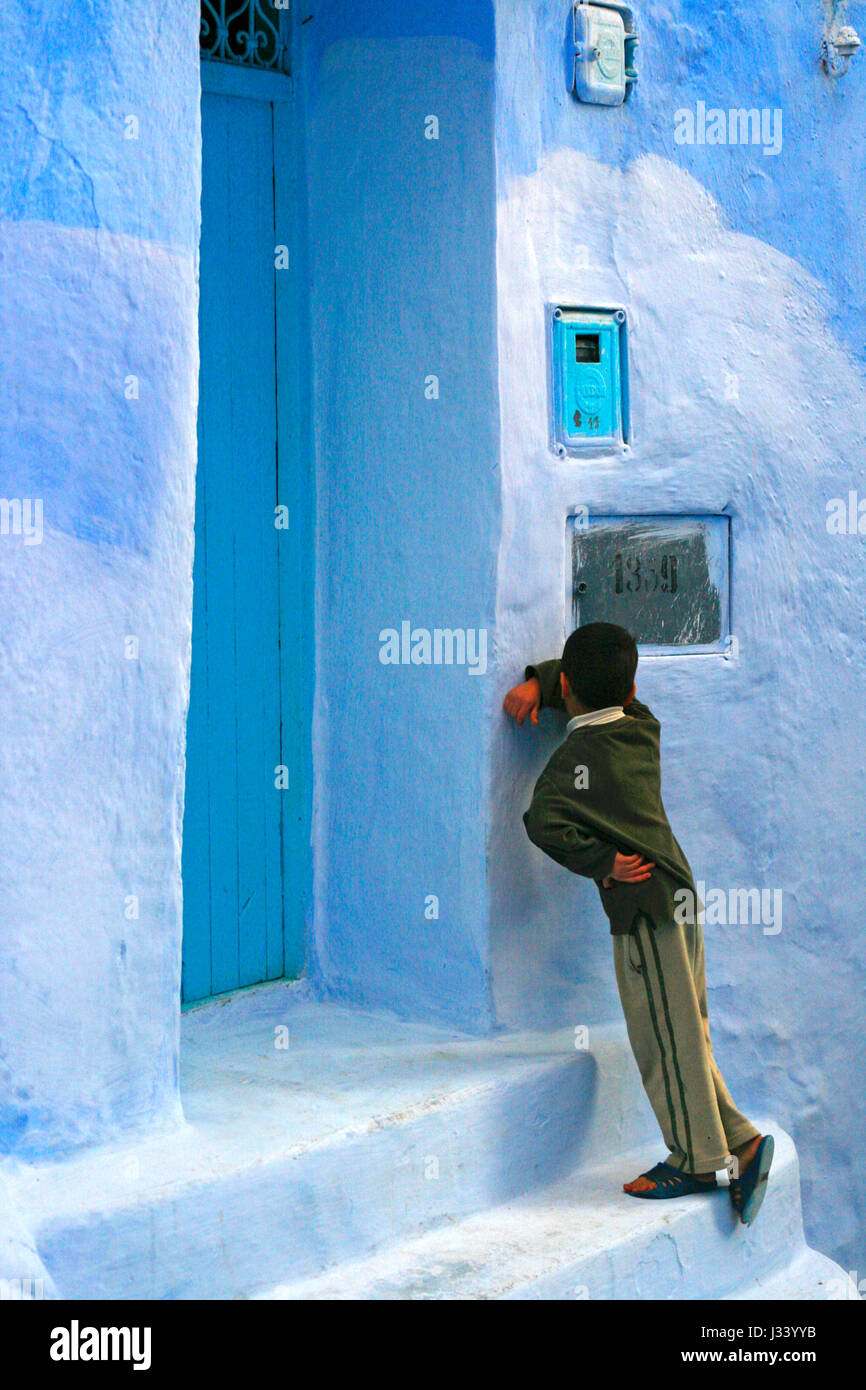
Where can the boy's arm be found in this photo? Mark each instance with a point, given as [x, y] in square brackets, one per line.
[547, 675]
[551, 825]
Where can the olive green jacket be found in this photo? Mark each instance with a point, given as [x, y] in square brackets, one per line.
[601, 793]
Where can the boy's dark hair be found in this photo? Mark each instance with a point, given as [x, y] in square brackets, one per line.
[600, 661]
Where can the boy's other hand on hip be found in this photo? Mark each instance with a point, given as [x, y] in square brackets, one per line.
[628, 868]
[524, 700]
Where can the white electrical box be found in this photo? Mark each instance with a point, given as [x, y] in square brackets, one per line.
[604, 43]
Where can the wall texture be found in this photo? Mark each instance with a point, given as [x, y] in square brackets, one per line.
[742, 273]
[402, 247]
[98, 243]
[454, 188]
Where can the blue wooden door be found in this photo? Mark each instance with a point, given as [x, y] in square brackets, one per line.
[245, 843]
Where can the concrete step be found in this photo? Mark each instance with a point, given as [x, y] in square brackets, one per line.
[582, 1238]
[333, 1152]
[810, 1276]
[359, 1132]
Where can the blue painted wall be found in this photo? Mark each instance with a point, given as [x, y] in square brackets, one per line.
[804, 201]
[98, 245]
[743, 277]
[402, 243]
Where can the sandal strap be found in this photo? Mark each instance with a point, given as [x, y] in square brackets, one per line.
[664, 1175]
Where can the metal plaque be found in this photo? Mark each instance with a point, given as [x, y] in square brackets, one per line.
[664, 578]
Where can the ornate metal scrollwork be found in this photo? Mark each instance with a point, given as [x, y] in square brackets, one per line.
[254, 33]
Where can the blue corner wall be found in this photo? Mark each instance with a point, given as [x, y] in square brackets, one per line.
[99, 198]
[402, 248]
[742, 275]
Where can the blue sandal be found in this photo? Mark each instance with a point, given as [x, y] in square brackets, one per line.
[748, 1192]
[670, 1182]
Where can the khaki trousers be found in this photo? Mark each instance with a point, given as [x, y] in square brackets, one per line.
[660, 972]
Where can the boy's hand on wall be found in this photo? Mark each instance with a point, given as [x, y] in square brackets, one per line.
[628, 868]
[524, 700]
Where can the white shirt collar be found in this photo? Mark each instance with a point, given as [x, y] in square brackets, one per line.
[595, 716]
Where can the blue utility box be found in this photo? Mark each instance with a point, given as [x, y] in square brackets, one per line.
[590, 398]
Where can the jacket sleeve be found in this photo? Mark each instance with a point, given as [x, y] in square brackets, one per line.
[547, 675]
[551, 825]
[639, 711]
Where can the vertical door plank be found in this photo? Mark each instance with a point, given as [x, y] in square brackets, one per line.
[254, 453]
[218, 351]
[296, 545]
[202, 768]
[271, 691]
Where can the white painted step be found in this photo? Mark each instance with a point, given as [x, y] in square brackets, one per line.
[810, 1277]
[582, 1238]
[378, 1158]
[364, 1131]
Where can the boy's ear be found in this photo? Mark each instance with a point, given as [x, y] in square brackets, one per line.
[632, 695]
[564, 685]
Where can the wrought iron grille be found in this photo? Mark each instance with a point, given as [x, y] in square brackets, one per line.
[254, 33]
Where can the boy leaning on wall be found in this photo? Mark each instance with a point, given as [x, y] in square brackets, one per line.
[597, 810]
